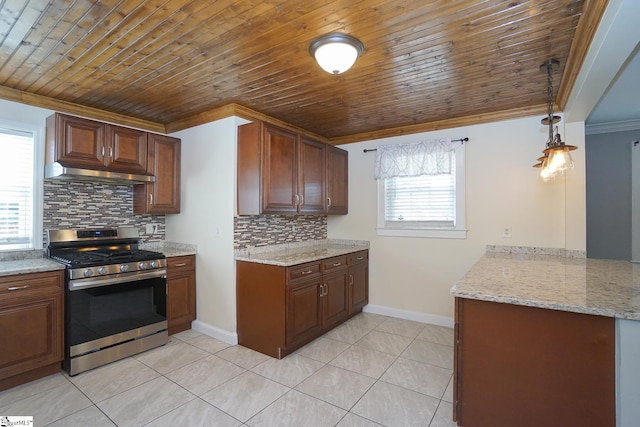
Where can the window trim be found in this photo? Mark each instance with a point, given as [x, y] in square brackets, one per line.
[459, 231]
[38, 181]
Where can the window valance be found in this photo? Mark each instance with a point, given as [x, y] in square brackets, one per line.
[431, 157]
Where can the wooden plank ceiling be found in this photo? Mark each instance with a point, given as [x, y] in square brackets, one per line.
[172, 64]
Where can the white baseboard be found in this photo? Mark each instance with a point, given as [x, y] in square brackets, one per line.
[433, 319]
[217, 333]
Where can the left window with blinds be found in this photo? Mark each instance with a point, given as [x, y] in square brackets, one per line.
[20, 186]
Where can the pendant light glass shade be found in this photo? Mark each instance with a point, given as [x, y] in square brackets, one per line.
[557, 158]
[336, 53]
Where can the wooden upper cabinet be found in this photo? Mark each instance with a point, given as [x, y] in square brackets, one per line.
[88, 144]
[337, 181]
[76, 142]
[311, 176]
[162, 196]
[127, 149]
[280, 171]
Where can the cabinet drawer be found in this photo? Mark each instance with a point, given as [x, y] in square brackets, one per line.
[303, 271]
[15, 285]
[357, 257]
[187, 262]
[334, 263]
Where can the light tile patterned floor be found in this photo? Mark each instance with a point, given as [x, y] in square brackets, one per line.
[371, 371]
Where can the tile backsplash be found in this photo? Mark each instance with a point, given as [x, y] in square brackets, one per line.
[262, 230]
[80, 204]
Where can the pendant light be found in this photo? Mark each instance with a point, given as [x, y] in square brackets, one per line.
[336, 52]
[556, 157]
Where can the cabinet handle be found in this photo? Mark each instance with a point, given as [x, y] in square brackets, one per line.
[102, 151]
[111, 152]
[306, 272]
[321, 290]
[360, 258]
[326, 289]
[301, 200]
[15, 288]
[182, 264]
[297, 199]
[150, 198]
[336, 264]
[328, 202]
[351, 279]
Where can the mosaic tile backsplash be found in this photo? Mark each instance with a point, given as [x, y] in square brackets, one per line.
[79, 204]
[262, 230]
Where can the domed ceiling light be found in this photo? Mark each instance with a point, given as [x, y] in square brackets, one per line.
[336, 52]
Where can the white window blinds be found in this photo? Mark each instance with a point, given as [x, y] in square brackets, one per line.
[16, 188]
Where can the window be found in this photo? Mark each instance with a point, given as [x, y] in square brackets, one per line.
[20, 187]
[421, 189]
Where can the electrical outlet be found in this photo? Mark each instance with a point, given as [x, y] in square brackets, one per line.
[151, 228]
[506, 233]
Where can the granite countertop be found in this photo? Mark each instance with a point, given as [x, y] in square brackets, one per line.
[170, 249]
[29, 265]
[592, 286]
[298, 253]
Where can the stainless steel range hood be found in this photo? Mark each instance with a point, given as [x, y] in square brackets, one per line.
[57, 171]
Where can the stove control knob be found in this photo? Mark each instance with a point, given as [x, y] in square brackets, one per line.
[154, 264]
[102, 270]
[142, 265]
[88, 272]
[124, 267]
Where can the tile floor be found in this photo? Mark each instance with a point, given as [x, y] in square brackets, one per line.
[371, 371]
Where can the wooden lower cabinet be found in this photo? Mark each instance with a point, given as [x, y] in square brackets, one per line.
[280, 309]
[181, 293]
[358, 293]
[525, 366]
[31, 326]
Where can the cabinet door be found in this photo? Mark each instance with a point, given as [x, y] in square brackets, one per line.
[30, 322]
[279, 171]
[303, 312]
[337, 181]
[311, 180]
[127, 150]
[162, 196]
[181, 300]
[334, 301]
[358, 286]
[80, 143]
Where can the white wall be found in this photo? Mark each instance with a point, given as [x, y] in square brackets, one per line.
[206, 220]
[412, 277]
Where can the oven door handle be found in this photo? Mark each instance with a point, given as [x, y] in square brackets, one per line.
[78, 284]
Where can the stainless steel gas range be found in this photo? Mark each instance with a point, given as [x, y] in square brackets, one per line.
[115, 295]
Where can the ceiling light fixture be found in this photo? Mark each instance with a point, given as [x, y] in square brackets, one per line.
[556, 159]
[336, 52]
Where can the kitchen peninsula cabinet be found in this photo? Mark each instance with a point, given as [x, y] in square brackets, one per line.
[162, 196]
[88, 144]
[181, 293]
[283, 172]
[31, 326]
[281, 308]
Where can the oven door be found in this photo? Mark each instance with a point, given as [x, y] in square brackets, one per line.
[104, 312]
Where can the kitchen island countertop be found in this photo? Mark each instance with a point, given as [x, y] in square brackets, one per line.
[298, 253]
[581, 285]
